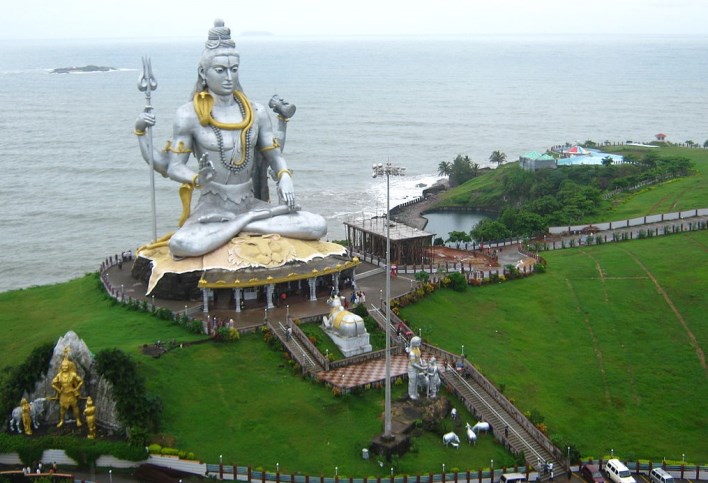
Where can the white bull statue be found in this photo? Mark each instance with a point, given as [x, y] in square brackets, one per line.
[481, 426]
[341, 321]
[451, 439]
[471, 436]
[38, 408]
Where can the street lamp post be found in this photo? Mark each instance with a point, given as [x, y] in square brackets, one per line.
[388, 170]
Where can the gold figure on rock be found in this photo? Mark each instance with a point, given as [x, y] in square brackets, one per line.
[26, 416]
[67, 383]
[90, 415]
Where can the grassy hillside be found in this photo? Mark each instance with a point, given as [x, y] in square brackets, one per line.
[486, 192]
[679, 194]
[609, 345]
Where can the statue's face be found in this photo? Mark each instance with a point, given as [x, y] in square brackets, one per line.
[64, 366]
[222, 74]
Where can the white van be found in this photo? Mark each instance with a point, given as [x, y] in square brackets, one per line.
[658, 475]
[512, 478]
[618, 472]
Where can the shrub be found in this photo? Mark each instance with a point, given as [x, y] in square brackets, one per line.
[22, 378]
[83, 451]
[136, 409]
[458, 282]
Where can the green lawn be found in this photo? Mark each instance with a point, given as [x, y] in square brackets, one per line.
[607, 345]
[241, 400]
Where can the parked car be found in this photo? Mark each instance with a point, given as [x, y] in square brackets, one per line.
[618, 472]
[658, 475]
[512, 478]
[591, 473]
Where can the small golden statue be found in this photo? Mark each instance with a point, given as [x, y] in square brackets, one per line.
[26, 416]
[90, 415]
[67, 383]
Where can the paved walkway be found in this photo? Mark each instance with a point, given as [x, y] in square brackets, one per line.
[366, 373]
[254, 314]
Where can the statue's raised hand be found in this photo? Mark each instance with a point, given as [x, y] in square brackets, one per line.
[206, 171]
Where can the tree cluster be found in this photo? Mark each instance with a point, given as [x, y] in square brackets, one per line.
[15, 381]
[535, 200]
[460, 170]
[139, 411]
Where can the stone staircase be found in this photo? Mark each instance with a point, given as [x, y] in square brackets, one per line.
[300, 351]
[507, 429]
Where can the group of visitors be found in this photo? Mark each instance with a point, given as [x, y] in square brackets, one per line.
[357, 297]
[214, 324]
[41, 469]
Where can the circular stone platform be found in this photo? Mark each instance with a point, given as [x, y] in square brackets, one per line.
[248, 260]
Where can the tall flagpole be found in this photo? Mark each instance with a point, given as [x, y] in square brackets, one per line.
[388, 170]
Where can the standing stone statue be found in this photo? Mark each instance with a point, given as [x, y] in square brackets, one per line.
[224, 131]
[417, 367]
[433, 378]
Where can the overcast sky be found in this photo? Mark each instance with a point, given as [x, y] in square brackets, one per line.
[42, 19]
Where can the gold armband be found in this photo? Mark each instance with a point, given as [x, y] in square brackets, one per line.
[283, 171]
[179, 150]
[275, 144]
[138, 133]
[284, 119]
[194, 181]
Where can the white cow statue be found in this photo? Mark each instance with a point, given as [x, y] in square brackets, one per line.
[37, 409]
[471, 436]
[451, 439]
[343, 322]
[481, 426]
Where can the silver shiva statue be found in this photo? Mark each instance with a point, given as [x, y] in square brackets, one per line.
[232, 138]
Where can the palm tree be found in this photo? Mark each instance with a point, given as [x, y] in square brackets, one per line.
[475, 169]
[445, 168]
[497, 157]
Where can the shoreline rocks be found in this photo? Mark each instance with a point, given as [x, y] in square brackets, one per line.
[86, 68]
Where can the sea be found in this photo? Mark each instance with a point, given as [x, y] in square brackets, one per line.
[75, 190]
